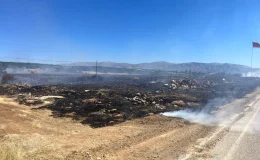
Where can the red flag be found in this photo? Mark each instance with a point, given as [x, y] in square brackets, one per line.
[256, 45]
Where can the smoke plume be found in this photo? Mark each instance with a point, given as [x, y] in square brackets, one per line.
[206, 115]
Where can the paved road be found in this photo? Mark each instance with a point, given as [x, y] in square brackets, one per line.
[242, 141]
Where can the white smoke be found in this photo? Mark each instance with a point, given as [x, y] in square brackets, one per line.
[193, 116]
[45, 70]
[251, 74]
[17, 70]
[204, 116]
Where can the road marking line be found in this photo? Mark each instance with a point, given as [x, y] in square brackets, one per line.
[233, 119]
[235, 145]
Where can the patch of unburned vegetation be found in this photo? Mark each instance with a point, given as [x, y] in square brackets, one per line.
[22, 147]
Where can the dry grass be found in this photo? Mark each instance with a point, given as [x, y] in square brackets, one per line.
[21, 147]
[10, 152]
[36, 124]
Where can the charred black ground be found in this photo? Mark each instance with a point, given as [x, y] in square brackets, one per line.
[110, 99]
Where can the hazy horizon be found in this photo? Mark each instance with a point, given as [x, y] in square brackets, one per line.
[84, 62]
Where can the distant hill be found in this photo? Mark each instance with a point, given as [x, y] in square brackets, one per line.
[126, 67]
[166, 66]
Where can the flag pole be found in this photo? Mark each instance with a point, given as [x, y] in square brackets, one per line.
[252, 60]
[252, 57]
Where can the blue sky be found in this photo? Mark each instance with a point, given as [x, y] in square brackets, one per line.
[131, 31]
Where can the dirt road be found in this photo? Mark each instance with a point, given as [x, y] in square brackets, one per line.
[27, 133]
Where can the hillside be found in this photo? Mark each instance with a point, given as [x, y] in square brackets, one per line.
[126, 67]
[166, 66]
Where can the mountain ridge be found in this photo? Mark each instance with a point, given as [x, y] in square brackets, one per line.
[167, 66]
[159, 65]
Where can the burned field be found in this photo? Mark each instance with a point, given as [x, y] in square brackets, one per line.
[108, 100]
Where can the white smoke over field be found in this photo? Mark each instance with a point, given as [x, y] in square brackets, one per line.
[193, 116]
[44, 70]
[251, 74]
[17, 70]
[206, 115]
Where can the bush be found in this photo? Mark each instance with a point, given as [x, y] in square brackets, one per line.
[7, 78]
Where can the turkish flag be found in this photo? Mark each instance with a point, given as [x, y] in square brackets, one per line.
[256, 45]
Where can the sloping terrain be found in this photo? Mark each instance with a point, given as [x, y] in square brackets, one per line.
[32, 133]
[109, 117]
[112, 67]
[166, 66]
[27, 133]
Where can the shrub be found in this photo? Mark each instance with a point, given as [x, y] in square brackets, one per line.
[7, 78]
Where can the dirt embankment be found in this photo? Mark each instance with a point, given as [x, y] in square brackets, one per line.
[34, 134]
